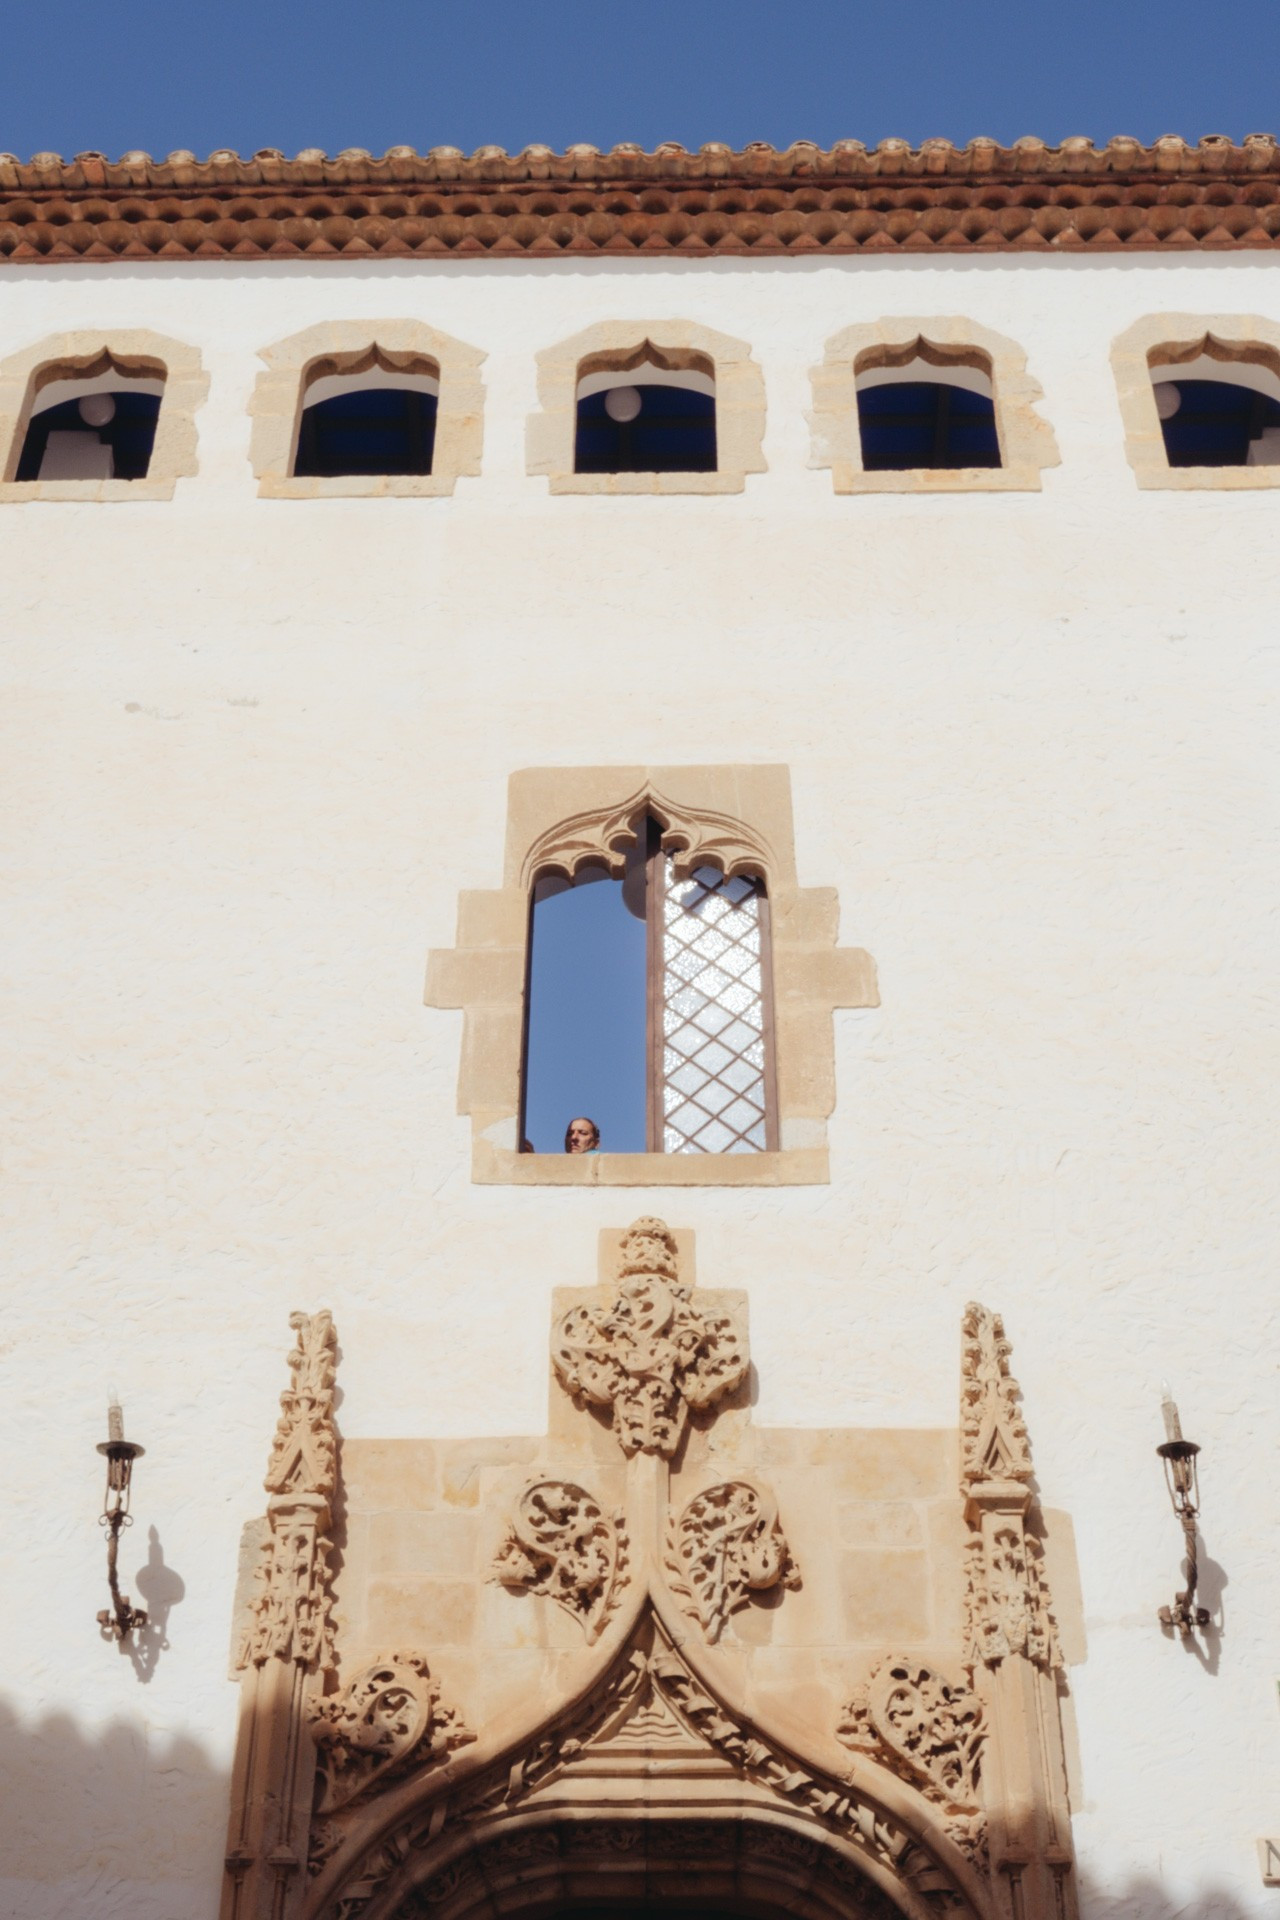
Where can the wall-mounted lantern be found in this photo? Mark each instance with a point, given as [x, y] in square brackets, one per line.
[1182, 1479]
[122, 1616]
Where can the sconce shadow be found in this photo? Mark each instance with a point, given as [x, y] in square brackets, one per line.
[162, 1589]
[1206, 1642]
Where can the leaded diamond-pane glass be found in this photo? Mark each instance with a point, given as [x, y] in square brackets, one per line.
[713, 1093]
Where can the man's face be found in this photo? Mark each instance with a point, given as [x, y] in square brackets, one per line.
[582, 1136]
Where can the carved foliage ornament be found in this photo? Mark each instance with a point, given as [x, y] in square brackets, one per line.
[727, 1544]
[389, 1716]
[651, 1356]
[1007, 1603]
[560, 1542]
[928, 1727]
[993, 1434]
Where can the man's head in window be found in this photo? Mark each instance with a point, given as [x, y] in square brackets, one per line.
[582, 1136]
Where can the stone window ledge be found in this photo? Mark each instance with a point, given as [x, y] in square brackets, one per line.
[1027, 443]
[791, 1167]
[1167, 338]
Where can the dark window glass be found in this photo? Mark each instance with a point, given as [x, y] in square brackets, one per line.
[924, 423]
[1215, 423]
[674, 432]
[130, 434]
[371, 430]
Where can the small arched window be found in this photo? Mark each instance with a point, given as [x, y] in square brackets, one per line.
[96, 422]
[1218, 410]
[648, 1006]
[653, 412]
[923, 407]
[373, 414]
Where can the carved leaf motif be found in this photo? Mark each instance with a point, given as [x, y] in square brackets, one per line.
[727, 1544]
[389, 1715]
[932, 1725]
[651, 1356]
[561, 1543]
[994, 1443]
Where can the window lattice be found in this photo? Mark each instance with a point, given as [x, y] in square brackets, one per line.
[713, 1055]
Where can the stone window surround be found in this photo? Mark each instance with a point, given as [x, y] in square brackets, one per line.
[1167, 339]
[621, 345]
[89, 353]
[739, 817]
[1027, 443]
[352, 346]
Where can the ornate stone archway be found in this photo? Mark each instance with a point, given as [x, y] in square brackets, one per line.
[655, 1752]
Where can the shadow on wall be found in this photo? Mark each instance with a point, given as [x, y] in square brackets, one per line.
[160, 1588]
[127, 1820]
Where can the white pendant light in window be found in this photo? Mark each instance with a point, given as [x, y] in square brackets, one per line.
[1168, 399]
[97, 409]
[622, 404]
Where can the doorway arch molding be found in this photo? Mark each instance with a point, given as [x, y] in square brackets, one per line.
[652, 1752]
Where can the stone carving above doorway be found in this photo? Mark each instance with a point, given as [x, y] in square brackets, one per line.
[560, 1542]
[726, 1545]
[651, 1357]
[719, 1744]
[389, 1716]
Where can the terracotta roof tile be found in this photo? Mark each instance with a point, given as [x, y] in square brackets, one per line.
[1127, 197]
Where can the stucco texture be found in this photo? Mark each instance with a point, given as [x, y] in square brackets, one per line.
[252, 751]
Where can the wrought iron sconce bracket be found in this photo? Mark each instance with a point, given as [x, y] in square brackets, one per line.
[121, 1617]
[1182, 1480]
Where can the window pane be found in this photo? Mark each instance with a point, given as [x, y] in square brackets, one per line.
[926, 423]
[1215, 423]
[123, 445]
[674, 431]
[713, 1065]
[370, 430]
[586, 1043]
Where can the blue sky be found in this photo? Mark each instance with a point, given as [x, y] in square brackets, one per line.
[384, 72]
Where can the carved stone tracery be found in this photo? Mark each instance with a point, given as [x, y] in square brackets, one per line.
[727, 1544]
[693, 839]
[290, 1614]
[926, 1726]
[561, 1543]
[993, 1433]
[651, 1357]
[389, 1718]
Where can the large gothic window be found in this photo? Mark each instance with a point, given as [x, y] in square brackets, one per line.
[648, 1006]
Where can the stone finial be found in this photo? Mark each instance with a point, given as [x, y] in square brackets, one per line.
[650, 1357]
[302, 1454]
[993, 1435]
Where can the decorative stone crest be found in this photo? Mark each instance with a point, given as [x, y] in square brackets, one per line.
[727, 1544]
[560, 1542]
[930, 1728]
[389, 1716]
[993, 1434]
[290, 1612]
[651, 1356]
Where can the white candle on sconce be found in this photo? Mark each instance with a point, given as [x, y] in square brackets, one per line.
[1172, 1424]
[115, 1415]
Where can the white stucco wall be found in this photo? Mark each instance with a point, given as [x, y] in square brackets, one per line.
[251, 750]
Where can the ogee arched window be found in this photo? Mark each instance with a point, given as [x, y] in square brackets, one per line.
[649, 1005]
